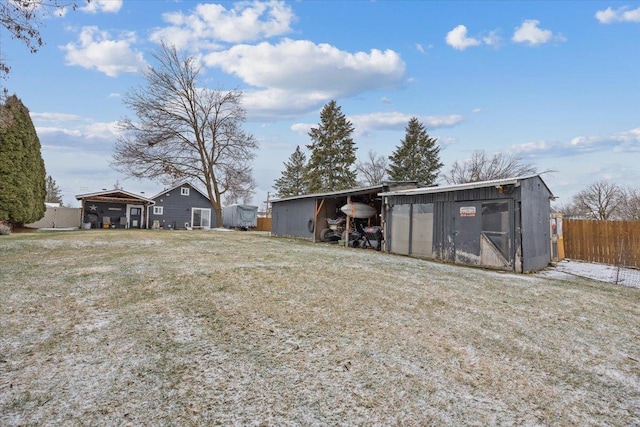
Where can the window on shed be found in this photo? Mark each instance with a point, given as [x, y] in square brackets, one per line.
[400, 221]
[157, 210]
[184, 191]
[422, 230]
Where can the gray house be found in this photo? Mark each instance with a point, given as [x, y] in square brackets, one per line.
[182, 206]
[307, 216]
[501, 224]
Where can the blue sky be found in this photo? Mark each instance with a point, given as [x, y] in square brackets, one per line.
[555, 82]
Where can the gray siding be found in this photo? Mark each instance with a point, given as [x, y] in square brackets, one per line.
[177, 209]
[290, 218]
[536, 211]
[522, 246]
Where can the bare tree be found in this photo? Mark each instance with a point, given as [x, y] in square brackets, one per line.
[373, 170]
[23, 19]
[599, 200]
[482, 167]
[568, 209]
[186, 132]
[629, 208]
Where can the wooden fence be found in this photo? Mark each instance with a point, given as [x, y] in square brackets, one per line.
[606, 242]
[264, 224]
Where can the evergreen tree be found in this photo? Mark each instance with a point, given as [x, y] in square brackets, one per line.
[292, 183]
[417, 158]
[333, 152]
[22, 173]
[53, 191]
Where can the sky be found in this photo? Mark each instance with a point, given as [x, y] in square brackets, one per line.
[554, 82]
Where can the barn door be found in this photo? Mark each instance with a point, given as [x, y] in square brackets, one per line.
[496, 241]
[467, 224]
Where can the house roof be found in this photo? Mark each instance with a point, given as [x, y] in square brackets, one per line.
[351, 191]
[466, 186]
[181, 184]
[115, 196]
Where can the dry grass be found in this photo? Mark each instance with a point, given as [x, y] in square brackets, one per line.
[105, 327]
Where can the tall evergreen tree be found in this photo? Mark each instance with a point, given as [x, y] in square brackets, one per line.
[333, 152]
[53, 191]
[22, 173]
[417, 158]
[292, 182]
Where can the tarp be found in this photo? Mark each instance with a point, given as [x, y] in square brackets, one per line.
[239, 216]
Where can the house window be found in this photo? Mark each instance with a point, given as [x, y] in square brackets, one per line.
[157, 210]
[184, 191]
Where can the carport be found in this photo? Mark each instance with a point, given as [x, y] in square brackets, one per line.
[114, 209]
[306, 216]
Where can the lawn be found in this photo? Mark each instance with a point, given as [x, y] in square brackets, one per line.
[141, 327]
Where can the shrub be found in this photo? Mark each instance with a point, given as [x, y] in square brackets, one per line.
[4, 229]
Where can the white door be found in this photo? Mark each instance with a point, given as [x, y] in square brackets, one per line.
[201, 217]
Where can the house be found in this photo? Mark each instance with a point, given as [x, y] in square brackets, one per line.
[307, 216]
[182, 206]
[113, 209]
[501, 224]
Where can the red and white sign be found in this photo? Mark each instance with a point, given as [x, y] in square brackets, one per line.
[468, 211]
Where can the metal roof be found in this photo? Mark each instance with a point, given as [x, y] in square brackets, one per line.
[112, 195]
[348, 192]
[466, 186]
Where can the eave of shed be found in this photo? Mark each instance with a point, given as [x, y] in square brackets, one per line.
[466, 186]
[349, 192]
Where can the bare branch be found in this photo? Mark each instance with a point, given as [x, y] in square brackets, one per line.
[186, 131]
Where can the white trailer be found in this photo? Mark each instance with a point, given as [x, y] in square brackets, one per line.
[240, 216]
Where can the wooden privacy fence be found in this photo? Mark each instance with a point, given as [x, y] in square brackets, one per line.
[606, 242]
[264, 224]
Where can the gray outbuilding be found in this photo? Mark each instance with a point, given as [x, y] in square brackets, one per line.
[307, 216]
[501, 224]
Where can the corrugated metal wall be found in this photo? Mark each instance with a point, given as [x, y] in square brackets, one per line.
[535, 211]
[459, 223]
[293, 218]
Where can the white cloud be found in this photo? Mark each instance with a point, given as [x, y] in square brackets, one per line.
[302, 128]
[107, 6]
[209, 24]
[366, 123]
[622, 14]
[419, 48]
[48, 130]
[492, 38]
[96, 50]
[301, 75]
[621, 142]
[628, 141]
[54, 117]
[457, 38]
[531, 34]
[447, 141]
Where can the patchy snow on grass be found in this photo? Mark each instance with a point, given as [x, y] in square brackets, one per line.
[601, 272]
[201, 328]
